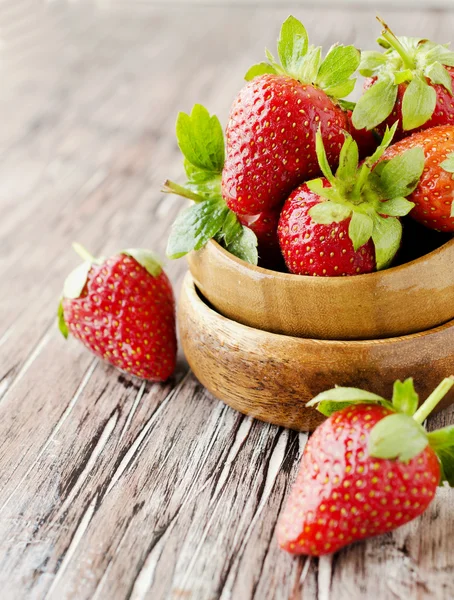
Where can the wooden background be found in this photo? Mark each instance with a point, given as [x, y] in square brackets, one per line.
[111, 488]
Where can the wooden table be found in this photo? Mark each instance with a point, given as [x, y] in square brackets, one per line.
[111, 488]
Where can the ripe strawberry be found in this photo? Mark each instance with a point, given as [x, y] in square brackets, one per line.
[349, 223]
[273, 121]
[411, 82]
[369, 468]
[122, 309]
[433, 196]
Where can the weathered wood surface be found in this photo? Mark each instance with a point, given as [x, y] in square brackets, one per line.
[110, 488]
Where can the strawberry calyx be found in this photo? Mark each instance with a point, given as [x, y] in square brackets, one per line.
[400, 435]
[372, 195]
[304, 62]
[417, 62]
[448, 166]
[77, 279]
[201, 141]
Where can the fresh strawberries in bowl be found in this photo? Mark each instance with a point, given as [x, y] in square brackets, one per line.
[270, 146]
[434, 194]
[122, 309]
[410, 82]
[348, 223]
[369, 468]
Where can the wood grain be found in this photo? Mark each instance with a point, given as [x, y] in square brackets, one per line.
[110, 488]
[386, 304]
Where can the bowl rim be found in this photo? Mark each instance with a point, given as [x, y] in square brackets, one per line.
[193, 291]
[324, 280]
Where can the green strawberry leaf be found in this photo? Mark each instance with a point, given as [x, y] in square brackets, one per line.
[259, 69]
[387, 237]
[448, 163]
[442, 439]
[201, 139]
[348, 159]
[406, 75]
[438, 53]
[346, 104]
[360, 229]
[437, 73]
[76, 280]
[63, 327]
[244, 246]
[340, 91]
[418, 103]
[330, 193]
[329, 212]
[309, 67]
[375, 105]
[405, 399]
[146, 258]
[371, 62]
[195, 226]
[401, 174]
[339, 64]
[292, 45]
[170, 187]
[386, 141]
[231, 228]
[397, 436]
[322, 158]
[446, 458]
[397, 207]
[345, 394]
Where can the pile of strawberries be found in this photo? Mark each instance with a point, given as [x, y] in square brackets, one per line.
[328, 187]
[316, 180]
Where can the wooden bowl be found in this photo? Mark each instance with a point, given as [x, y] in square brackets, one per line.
[416, 296]
[271, 376]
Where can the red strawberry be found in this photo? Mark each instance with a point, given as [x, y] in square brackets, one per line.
[366, 470]
[411, 82]
[273, 121]
[349, 223]
[311, 248]
[122, 309]
[433, 196]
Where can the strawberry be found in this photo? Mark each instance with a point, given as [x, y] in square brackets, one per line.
[122, 309]
[433, 196]
[349, 224]
[273, 121]
[369, 468]
[411, 82]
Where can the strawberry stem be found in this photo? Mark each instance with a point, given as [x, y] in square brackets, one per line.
[83, 253]
[435, 397]
[394, 42]
[169, 187]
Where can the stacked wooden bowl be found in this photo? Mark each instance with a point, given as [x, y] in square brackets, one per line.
[266, 342]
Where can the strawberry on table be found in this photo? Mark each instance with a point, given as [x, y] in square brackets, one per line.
[411, 82]
[434, 194]
[122, 309]
[349, 223]
[273, 121]
[369, 468]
